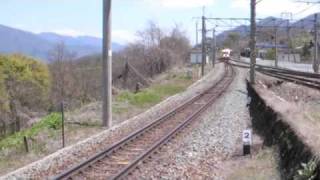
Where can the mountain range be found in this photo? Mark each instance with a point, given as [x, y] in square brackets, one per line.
[306, 23]
[14, 40]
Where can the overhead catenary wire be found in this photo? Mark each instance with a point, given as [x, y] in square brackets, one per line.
[308, 2]
[304, 10]
[258, 1]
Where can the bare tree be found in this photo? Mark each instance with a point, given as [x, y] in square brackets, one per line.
[61, 65]
[151, 36]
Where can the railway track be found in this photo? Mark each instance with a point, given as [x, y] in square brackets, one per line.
[311, 80]
[117, 161]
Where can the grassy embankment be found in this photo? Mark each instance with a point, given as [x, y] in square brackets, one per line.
[152, 95]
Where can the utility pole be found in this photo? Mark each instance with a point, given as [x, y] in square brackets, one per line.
[253, 42]
[315, 60]
[275, 42]
[288, 39]
[204, 53]
[288, 17]
[213, 46]
[197, 42]
[197, 39]
[276, 46]
[107, 66]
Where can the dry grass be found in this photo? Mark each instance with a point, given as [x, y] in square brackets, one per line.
[46, 142]
[300, 115]
[262, 166]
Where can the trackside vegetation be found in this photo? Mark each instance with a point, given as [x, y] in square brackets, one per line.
[155, 93]
[50, 122]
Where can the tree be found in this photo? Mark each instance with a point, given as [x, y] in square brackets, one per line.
[300, 39]
[178, 44]
[4, 108]
[161, 50]
[61, 65]
[151, 36]
[306, 51]
[232, 40]
[24, 83]
[271, 54]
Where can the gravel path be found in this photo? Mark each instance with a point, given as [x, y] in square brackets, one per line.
[214, 137]
[71, 155]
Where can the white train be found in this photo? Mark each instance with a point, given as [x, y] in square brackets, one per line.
[225, 54]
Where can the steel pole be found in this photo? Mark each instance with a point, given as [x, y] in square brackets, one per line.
[275, 42]
[253, 42]
[213, 47]
[315, 61]
[107, 66]
[197, 36]
[204, 54]
[197, 42]
[276, 46]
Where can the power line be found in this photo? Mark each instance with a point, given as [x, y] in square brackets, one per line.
[308, 2]
[303, 10]
[258, 2]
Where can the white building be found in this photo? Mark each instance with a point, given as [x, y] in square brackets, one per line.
[196, 57]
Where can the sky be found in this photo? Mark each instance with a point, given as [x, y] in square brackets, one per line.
[84, 17]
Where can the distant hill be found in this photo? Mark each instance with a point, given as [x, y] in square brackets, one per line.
[307, 22]
[38, 45]
[244, 31]
[18, 41]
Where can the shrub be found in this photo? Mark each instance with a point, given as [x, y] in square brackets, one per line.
[24, 82]
[271, 54]
[51, 122]
[308, 171]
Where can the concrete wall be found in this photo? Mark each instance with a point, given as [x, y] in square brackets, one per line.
[289, 57]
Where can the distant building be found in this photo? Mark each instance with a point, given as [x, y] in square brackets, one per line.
[196, 56]
[271, 45]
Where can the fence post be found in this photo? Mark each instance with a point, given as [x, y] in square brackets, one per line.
[62, 124]
[26, 143]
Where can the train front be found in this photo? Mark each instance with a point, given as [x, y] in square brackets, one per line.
[225, 54]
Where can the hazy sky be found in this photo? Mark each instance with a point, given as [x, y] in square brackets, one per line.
[84, 17]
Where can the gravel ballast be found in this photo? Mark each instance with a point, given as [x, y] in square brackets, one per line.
[69, 156]
[211, 139]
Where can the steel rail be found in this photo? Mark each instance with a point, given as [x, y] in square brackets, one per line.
[120, 143]
[175, 131]
[306, 79]
[91, 160]
[299, 78]
[294, 80]
[300, 73]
